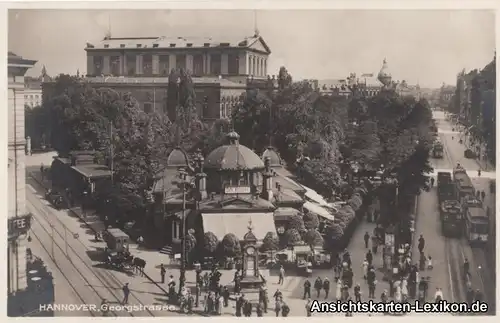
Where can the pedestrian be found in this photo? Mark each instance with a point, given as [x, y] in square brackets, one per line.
[369, 257]
[259, 310]
[421, 243]
[357, 293]
[365, 268]
[307, 289]
[367, 238]
[338, 289]
[397, 292]
[140, 240]
[104, 307]
[326, 287]
[126, 292]
[466, 268]
[470, 296]
[225, 295]
[281, 278]
[432, 181]
[308, 307]
[438, 296]
[285, 310]
[429, 263]
[404, 290]
[239, 305]
[483, 195]
[479, 173]
[479, 296]
[220, 305]
[278, 296]
[277, 307]
[318, 284]
[162, 273]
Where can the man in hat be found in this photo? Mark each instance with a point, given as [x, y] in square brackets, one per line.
[326, 287]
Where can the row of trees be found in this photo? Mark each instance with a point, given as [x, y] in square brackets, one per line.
[324, 140]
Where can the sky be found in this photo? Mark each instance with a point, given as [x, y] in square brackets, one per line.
[428, 47]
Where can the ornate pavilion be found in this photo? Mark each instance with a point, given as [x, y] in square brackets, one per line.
[231, 187]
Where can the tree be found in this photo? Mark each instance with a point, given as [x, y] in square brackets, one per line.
[210, 242]
[313, 238]
[36, 123]
[230, 245]
[270, 243]
[311, 220]
[292, 237]
[296, 222]
[335, 232]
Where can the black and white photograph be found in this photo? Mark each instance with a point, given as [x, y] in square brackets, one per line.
[264, 162]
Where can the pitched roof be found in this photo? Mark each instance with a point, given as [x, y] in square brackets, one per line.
[159, 80]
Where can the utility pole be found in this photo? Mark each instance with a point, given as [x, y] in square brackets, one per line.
[111, 152]
[66, 240]
[182, 278]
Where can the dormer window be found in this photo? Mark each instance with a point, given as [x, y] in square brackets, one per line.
[122, 45]
[155, 45]
[189, 45]
[106, 45]
[206, 45]
[172, 45]
[224, 44]
[139, 45]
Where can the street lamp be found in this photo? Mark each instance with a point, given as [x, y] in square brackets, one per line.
[184, 185]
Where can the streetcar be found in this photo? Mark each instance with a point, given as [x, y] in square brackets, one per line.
[463, 182]
[451, 218]
[437, 150]
[476, 225]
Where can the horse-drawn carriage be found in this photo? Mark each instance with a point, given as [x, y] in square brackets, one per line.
[117, 251]
[121, 260]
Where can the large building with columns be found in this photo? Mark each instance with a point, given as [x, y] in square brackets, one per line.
[221, 68]
[17, 67]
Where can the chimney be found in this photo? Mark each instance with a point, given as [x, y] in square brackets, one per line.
[267, 186]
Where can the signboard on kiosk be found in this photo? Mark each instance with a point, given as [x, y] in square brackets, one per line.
[237, 190]
[19, 225]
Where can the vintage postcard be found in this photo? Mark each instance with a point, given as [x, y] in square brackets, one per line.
[254, 161]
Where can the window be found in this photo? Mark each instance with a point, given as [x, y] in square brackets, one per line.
[31, 97]
[164, 65]
[106, 45]
[148, 107]
[189, 45]
[181, 61]
[155, 45]
[139, 45]
[206, 45]
[215, 64]
[198, 65]
[115, 65]
[131, 64]
[233, 64]
[147, 64]
[98, 63]
[172, 45]
[25, 96]
[122, 45]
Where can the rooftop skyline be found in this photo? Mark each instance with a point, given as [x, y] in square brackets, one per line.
[429, 47]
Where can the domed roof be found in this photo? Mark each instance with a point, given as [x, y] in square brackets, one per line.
[274, 158]
[233, 156]
[177, 158]
[384, 75]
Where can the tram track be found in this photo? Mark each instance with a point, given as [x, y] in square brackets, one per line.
[105, 278]
[459, 248]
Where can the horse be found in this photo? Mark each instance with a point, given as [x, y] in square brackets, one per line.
[139, 265]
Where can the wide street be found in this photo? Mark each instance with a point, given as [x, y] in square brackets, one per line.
[449, 254]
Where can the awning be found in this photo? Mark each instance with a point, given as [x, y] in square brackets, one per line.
[285, 213]
[317, 209]
[314, 196]
[221, 224]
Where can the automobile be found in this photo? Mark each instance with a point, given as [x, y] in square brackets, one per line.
[468, 153]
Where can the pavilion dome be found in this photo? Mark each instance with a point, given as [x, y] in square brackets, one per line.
[274, 158]
[384, 76]
[177, 158]
[233, 156]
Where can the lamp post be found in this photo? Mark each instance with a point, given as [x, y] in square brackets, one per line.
[184, 185]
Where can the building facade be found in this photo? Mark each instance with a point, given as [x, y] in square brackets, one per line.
[221, 70]
[33, 91]
[17, 68]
